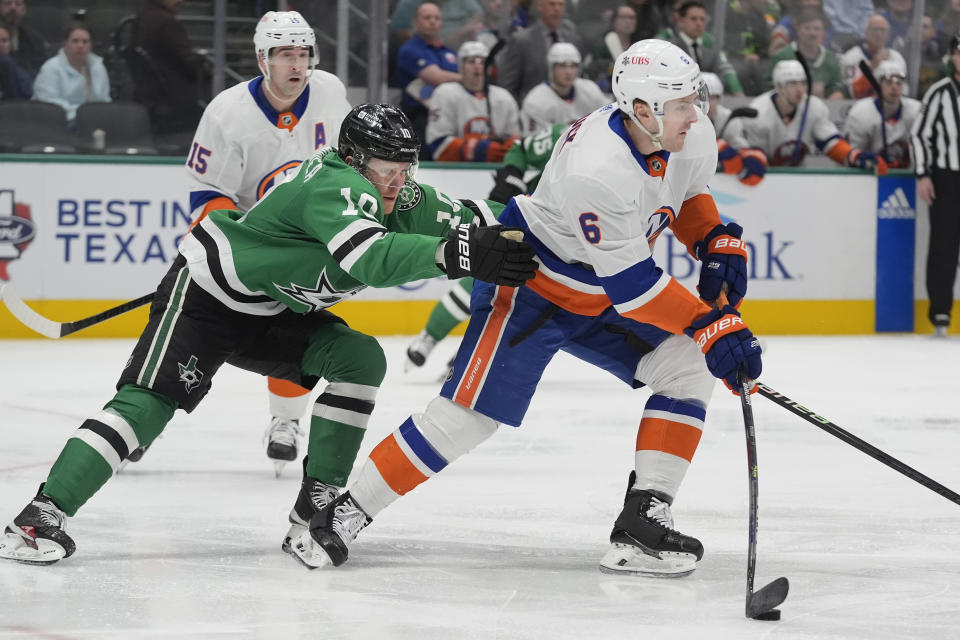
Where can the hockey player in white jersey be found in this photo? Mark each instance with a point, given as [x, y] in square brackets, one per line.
[251, 138]
[564, 97]
[472, 120]
[887, 134]
[733, 155]
[790, 125]
[616, 179]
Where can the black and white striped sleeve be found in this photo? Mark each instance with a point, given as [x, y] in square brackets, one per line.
[936, 133]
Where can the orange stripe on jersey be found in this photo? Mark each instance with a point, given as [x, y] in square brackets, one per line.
[451, 152]
[568, 299]
[479, 365]
[675, 438]
[673, 309]
[223, 202]
[697, 217]
[394, 466]
[285, 388]
[267, 181]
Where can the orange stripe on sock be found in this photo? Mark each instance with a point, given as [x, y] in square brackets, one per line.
[285, 388]
[676, 438]
[486, 346]
[394, 466]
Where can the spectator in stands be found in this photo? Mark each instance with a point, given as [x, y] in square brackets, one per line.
[849, 20]
[824, 65]
[785, 32]
[649, 19]
[691, 26]
[599, 63]
[565, 97]
[423, 63]
[472, 120]
[74, 76]
[15, 82]
[874, 51]
[523, 63]
[747, 42]
[491, 30]
[948, 23]
[900, 15]
[28, 48]
[172, 91]
[931, 55]
[890, 137]
[462, 19]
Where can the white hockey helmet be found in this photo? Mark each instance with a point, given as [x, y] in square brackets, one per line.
[714, 85]
[889, 69]
[656, 71]
[283, 29]
[788, 71]
[471, 49]
[561, 52]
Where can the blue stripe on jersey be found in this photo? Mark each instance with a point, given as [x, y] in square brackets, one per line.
[513, 217]
[433, 146]
[200, 198]
[663, 403]
[632, 282]
[618, 126]
[823, 143]
[427, 454]
[256, 91]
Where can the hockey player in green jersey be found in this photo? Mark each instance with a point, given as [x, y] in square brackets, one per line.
[454, 307]
[251, 289]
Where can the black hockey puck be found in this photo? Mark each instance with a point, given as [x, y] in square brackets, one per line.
[773, 614]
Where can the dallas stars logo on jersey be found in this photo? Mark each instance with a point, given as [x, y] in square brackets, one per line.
[190, 376]
[321, 296]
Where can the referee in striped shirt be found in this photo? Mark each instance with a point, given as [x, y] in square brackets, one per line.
[936, 149]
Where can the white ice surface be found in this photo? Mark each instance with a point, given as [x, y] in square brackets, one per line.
[505, 542]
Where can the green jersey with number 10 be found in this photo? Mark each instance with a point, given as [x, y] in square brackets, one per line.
[321, 238]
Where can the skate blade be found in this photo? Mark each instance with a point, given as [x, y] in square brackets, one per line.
[308, 552]
[13, 547]
[623, 559]
[278, 466]
[292, 533]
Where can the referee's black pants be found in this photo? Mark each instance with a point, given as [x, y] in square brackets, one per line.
[944, 250]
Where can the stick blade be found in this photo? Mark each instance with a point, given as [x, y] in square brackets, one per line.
[28, 316]
[766, 600]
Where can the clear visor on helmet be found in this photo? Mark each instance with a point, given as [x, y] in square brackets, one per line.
[699, 100]
[385, 173]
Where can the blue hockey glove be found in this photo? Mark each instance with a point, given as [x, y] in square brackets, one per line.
[727, 344]
[867, 160]
[754, 163]
[723, 261]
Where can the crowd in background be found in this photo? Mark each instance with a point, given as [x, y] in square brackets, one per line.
[425, 38]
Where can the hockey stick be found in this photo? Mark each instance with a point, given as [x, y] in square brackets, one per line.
[51, 329]
[739, 112]
[872, 79]
[795, 160]
[819, 421]
[761, 604]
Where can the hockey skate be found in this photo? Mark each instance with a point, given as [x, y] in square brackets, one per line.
[418, 351]
[330, 532]
[644, 542]
[314, 496]
[36, 536]
[282, 438]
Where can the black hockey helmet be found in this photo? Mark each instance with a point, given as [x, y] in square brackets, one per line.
[377, 131]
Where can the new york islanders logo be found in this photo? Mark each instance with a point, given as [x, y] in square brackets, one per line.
[17, 230]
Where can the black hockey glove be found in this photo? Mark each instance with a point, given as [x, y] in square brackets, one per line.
[508, 182]
[489, 254]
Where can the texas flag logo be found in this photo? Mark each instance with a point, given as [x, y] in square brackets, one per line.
[17, 230]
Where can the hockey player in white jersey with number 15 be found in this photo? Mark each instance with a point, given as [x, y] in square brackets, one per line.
[615, 180]
[253, 137]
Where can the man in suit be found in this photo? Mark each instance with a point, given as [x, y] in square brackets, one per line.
[523, 63]
[691, 28]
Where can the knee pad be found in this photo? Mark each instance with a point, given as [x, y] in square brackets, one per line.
[349, 356]
[677, 369]
[453, 430]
